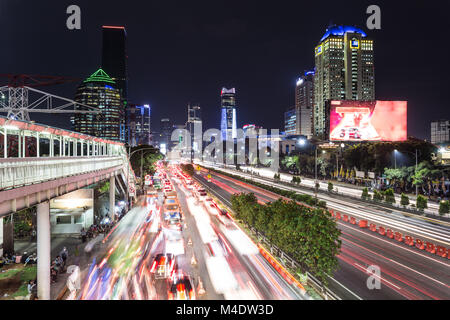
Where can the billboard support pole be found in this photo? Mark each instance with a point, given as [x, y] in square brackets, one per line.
[417, 186]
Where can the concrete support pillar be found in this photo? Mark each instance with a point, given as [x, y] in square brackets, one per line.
[81, 144]
[24, 145]
[112, 197]
[76, 147]
[52, 146]
[69, 152]
[60, 147]
[37, 145]
[43, 250]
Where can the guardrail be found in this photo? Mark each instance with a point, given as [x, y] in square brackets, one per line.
[17, 172]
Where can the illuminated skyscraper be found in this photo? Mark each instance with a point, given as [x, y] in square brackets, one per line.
[99, 91]
[344, 71]
[114, 56]
[228, 118]
[290, 121]
[114, 63]
[193, 123]
[138, 124]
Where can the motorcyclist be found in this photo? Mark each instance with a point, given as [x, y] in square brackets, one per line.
[83, 235]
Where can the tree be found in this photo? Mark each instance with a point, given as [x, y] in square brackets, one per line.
[145, 159]
[330, 186]
[404, 200]
[389, 196]
[421, 202]
[365, 194]
[310, 236]
[317, 186]
[377, 196]
[394, 174]
[444, 207]
[188, 168]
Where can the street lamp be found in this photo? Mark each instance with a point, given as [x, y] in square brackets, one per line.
[129, 166]
[417, 187]
[395, 158]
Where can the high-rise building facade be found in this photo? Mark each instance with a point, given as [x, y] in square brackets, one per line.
[194, 122]
[228, 117]
[114, 63]
[304, 104]
[138, 125]
[114, 56]
[166, 129]
[344, 71]
[440, 131]
[290, 121]
[99, 91]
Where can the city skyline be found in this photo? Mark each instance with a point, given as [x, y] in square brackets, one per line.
[224, 151]
[155, 72]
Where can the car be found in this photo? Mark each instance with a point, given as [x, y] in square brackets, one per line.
[174, 243]
[163, 266]
[181, 288]
[202, 195]
[171, 194]
[172, 214]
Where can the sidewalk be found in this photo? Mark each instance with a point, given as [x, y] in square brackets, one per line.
[77, 256]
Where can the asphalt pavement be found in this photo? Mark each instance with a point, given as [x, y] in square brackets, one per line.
[405, 272]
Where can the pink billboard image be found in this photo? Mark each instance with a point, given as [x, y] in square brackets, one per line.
[368, 121]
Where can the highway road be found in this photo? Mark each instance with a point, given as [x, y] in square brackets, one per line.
[209, 248]
[348, 190]
[406, 273]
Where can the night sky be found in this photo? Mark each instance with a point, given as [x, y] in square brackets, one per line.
[186, 51]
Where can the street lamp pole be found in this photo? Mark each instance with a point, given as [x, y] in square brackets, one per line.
[417, 186]
[315, 164]
[395, 158]
[315, 175]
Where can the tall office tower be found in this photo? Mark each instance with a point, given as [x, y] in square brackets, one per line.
[344, 71]
[440, 131]
[166, 129]
[194, 121]
[114, 56]
[304, 104]
[290, 121]
[138, 125]
[114, 63]
[99, 91]
[228, 118]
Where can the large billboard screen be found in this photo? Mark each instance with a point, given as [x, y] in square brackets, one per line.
[368, 121]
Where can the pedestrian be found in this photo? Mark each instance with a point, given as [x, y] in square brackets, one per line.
[83, 235]
[64, 254]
